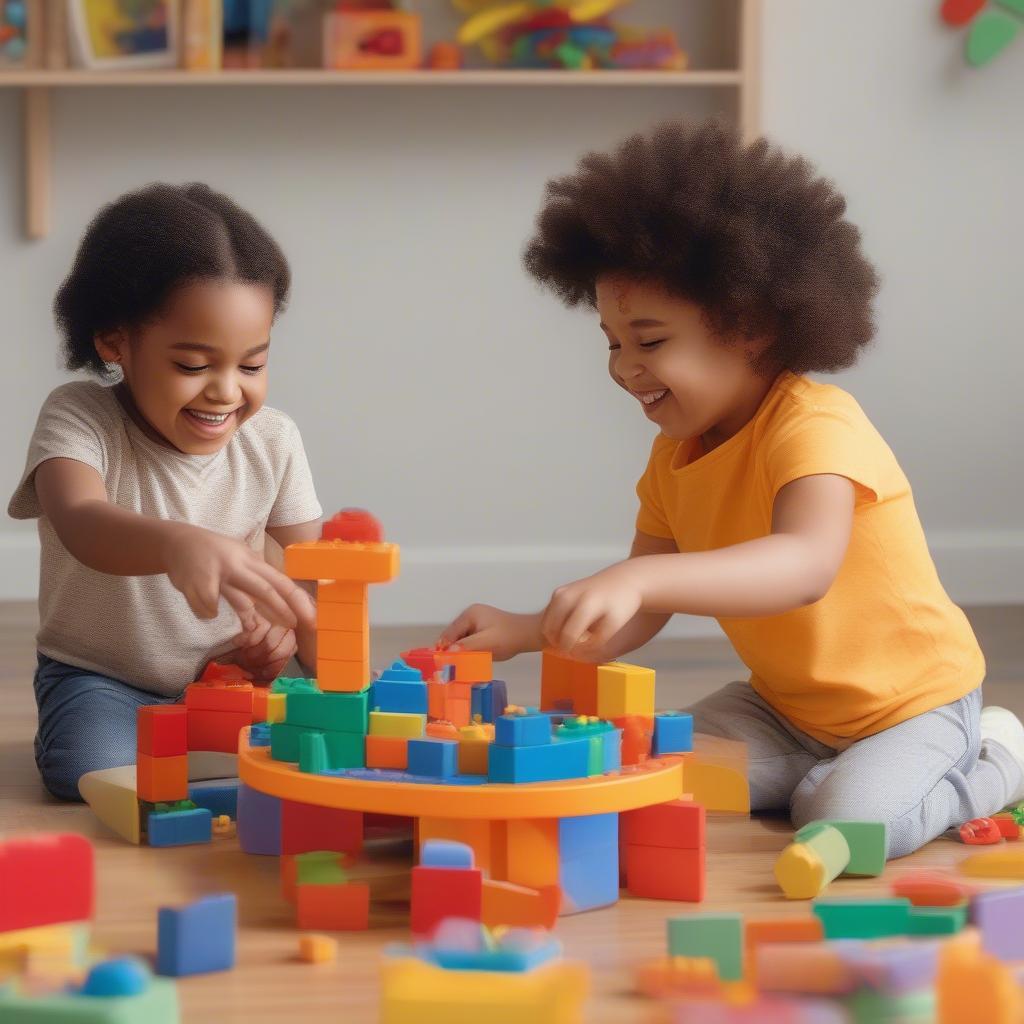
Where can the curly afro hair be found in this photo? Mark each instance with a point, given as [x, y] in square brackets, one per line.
[749, 233]
[144, 245]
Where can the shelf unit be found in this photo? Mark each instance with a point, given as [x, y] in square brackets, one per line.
[37, 84]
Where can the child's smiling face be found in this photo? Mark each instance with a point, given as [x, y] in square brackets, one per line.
[197, 371]
[689, 381]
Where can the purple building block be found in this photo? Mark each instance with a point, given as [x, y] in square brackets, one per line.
[998, 916]
[259, 822]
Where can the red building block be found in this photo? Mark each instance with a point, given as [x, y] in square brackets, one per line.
[162, 730]
[335, 908]
[217, 697]
[422, 658]
[161, 779]
[218, 673]
[216, 730]
[678, 825]
[45, 879]
[305, 828]
[438, 893]
[658, 873]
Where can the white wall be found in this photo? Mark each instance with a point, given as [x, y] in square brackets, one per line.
[435, 385]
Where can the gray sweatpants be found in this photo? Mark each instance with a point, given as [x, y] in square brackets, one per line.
[921, 777]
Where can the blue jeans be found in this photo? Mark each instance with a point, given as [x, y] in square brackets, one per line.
[86, 722]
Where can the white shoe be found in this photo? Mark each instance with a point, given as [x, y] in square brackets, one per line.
[1006, 729]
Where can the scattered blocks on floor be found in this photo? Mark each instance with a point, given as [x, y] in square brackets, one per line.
[763, 931]
[806, 866]
[998, 916]
[716, 936]
[863, 919]
[317, 949]
[47, 879]
[339, 907]
[198, 938]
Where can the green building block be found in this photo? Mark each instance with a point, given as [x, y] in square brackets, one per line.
[157, 1005]
[319, 868]
[345, 750]
[718, 936]
[867, 840]
[863, 919]
[937, 920]
[289, 685]
[334, 712]
[284, 741]
[312, 753]
[866, 1006]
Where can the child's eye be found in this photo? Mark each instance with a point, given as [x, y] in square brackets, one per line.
[614, 348]
[252, 369]
[652, 344]
[185, 368]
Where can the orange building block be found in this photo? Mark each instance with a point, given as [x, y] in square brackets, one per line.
[973, 985]
[387, 752]
[474, 750]
[469, 666]
[216, 730]
[486, 839]
[336, 908]
[759, 930]
[441, 730]
[335, 645]
[161, 779]
[532, 852]
[926, 888]
[637, 736]
[342, 676]
[341, 560]
[340, 592]
[317, 949]
[564, 680]
[518, 906]
[349, 618]
[678, 976]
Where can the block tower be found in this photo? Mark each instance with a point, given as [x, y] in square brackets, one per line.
[350, 555]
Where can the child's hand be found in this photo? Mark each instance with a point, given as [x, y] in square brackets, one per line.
[206, 566]
[583, 616]
[262, 649]
[483, 628]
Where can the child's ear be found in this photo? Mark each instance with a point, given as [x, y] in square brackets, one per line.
[110, 346]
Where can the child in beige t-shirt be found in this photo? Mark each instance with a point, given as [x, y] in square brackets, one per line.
[154, 487]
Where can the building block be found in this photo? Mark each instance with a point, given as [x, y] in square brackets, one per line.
[342, 676]
[805, 867]
[973, 985]
[344, 907]
[474, 750]
[312, 752]
[259, 822]
[637, 737]
[337, 645]
[997, 915]
[489, 700]
[286, 741]
[391, 723]
[715, 786]
[156, 1004]
[435, 758]
[216, 730]
[938, 920]
[334, 712]
[867, 842]
[288, 685]
[179, 828]
[806, 968]
[662, 873]
[567, 684]
[224, 675]
[470, 666]
[218, 797]
[624, 690]
[160, 779]
[446, 853]
[421, 658]
[566, 760]
[267, 706]
[892, 970]
[532, 852]
[348, 617]
[198, 938]
[761, 931]
[399, 695]
[678, 824]
[317, 949]
[487, 839]
[679, 976]
[47, 879]
[161, 730]
[518, 906]
[998, 863]
[930, 888]
[318, 867]
[400, 671]
[863, 919]
[718, 936]
[112, 797]
[340, 592]
[438, 893]
[341, 560]
[236, 697]
[522, 728]
[387, 752]
[588, 861]
[306, 827]
[673, 733]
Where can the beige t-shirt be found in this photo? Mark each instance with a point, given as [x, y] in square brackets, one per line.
[139, 628]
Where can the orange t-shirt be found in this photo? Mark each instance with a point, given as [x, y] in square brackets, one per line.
[886, 642]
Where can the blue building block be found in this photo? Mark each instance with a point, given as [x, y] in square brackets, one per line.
[198, 938]
[445, 853]
[437, 758]
[612, 751]
[399, 695]
[180, 828]
[489, 700]
[218, 796]
[399, 671]
[259, 734]
[118, 976]
[673, 733]
[531, 729]
[259, 822]
[588, 856]
[567, 759]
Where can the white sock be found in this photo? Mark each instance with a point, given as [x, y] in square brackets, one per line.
[1006, 729]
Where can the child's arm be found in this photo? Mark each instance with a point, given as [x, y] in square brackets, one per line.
[203, 565]
[794, 566]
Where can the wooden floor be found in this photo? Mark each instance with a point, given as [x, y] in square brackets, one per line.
[269, 985]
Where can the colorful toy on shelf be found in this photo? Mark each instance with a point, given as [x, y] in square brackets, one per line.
[372, 40]
[569, 34]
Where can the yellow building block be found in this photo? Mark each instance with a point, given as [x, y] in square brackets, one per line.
[341, 560]
[342, 676]
[397, 723]
[275, 707]
[335, 645]
[1003, 862]
[112, 797]
[714, 786]
[318, 949]
[804, 869]
[624, 690]
[973, 985]
[415, 992]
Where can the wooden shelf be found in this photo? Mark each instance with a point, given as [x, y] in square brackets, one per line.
[317, 77]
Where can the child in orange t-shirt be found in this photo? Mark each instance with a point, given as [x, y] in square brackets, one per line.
[722, 274]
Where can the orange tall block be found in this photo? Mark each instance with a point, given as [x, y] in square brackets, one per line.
[350, 554]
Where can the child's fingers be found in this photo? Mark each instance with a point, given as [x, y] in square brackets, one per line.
[202, 599]
[576, 626]
[463, 626]
[265, 596]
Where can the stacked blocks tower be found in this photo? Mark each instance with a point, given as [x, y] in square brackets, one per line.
[664, 851]
[350, 555]
[339, 721]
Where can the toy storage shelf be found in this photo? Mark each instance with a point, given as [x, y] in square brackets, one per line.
[36, 86]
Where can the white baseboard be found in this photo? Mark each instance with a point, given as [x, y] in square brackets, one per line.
[436, 583]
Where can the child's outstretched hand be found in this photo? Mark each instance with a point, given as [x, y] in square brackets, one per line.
[484, 628]
[582, 617]
[262, 649]
[206, 566]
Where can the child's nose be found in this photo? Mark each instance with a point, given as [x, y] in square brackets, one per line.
[223, 389]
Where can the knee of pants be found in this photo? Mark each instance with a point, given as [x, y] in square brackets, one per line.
[60, 766]
[838, 798]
